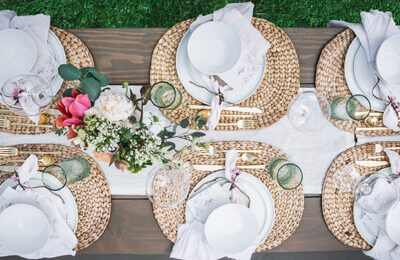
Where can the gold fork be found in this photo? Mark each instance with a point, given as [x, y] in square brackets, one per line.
[378, 148]
[5, 123]
[241, 124]
[14, 151]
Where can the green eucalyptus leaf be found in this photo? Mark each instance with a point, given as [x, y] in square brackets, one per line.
[67, 92]
[104, 80]
[198, 134]
[69, 72]
[184, 123]
[91, 87]
[171, 145]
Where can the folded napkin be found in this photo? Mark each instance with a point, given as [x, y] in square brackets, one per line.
[375, 28]
[62, 239]
[191, 242]
[37, 26]
[217, 102]
[385, 248]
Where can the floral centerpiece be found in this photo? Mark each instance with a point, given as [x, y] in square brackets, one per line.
[114, 124]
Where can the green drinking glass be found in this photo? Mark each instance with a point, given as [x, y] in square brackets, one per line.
[67, 172]
[164, 95]
[356, 107]
[288, 175]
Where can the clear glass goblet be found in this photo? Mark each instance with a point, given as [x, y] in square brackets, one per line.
[309, 112]
[27, 95]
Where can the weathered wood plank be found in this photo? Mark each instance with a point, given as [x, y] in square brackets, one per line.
[125, 54]
[133, 230]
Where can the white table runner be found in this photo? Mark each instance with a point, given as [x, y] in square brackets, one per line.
[313, 152]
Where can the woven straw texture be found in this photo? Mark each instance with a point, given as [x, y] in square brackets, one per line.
[92, 194]
[337, 206]
[289, 204]
[331, 82]
[279, 85]
[77, 54]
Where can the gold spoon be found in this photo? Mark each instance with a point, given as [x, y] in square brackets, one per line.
[371, 121]
[46, 160]
[246, 157]
[205, 113]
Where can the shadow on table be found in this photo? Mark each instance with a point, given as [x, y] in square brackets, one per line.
[339, 255]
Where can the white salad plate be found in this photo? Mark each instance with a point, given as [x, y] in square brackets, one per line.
[388, 60]
[24, 228]
[187, 72]
[64, 193]
[369, 234]
[261, 201]
[231, 228]
[214, 47]
[18, 53]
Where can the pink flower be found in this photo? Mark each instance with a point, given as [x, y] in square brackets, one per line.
[73, 109]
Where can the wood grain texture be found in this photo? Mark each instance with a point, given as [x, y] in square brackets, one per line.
[133, 230]
[125, 54]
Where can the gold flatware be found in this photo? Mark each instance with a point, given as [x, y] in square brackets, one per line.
[43, 119]
[214, 151]
[242, 124]
[46, 160]
[372, 163]
[206, 114]
[254, 110]
[5, 123]
[208, 167]
[14, 151]
[364, 113]
[379, 128]
[246, 157]
[378, 148]
[372, 121]
[50, 111]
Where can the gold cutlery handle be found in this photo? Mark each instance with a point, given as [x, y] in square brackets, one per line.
[379, 128]
[32, 125]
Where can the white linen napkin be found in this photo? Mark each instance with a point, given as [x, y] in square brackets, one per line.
[191, 242]
[62, 239]
[216, 104]
[37, 26]
[375, 28]
[385, 248]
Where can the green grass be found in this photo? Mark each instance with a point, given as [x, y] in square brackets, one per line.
[165, 13]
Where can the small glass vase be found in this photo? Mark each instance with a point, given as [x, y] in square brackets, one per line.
[168, 186]
[67, 172]
[356, 107]
[166, 96]
[288, 175]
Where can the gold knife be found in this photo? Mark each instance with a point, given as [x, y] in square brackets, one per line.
[372, 163]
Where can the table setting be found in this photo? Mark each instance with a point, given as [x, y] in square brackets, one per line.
[369, 76]
[223, 141]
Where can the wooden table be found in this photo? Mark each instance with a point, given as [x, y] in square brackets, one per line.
[124, 55]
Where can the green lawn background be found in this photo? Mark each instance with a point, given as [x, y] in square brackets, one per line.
[165, 13]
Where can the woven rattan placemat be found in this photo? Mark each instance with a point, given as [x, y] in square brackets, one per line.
[77, 54]
[280, 84]
[289, 204]
[337, 206]
[330, 80]
[92, 194]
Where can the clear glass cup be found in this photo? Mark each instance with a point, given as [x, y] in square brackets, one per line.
[356, 107]
[309, 112]
[375, 193]
[164, 95]
[168, 186]
[288, 175]
[27, 95]
[67, 172]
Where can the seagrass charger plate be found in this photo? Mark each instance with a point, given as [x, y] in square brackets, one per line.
[289, 204]
[280, 83]
[330, 80]
[77, 54]
[92, 194]
[337, 206]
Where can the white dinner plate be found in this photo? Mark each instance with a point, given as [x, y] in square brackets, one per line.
[262, 203]
[65, 194]
[18, 53]
[360, 84]
[366, 233]
[187, 72]
[393, 224]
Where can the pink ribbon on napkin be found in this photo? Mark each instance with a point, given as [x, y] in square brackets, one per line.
[374, 29]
